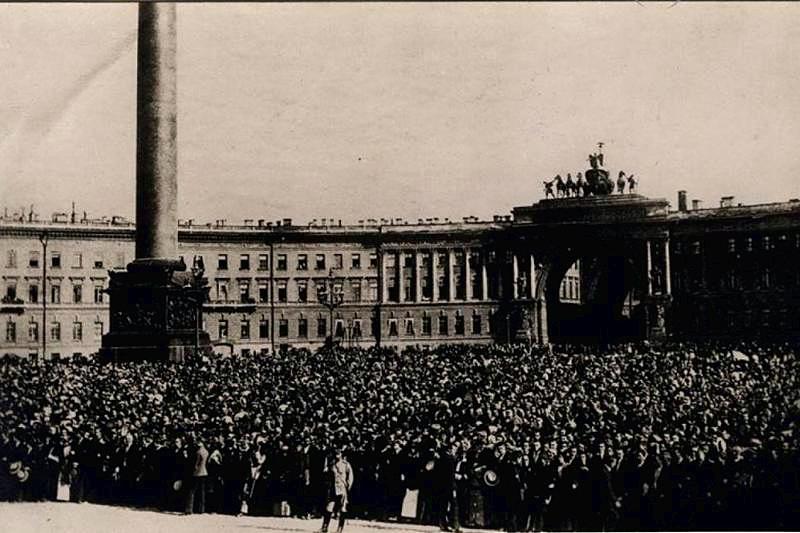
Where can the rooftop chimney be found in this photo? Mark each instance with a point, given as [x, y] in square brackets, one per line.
[697, 204]
[726, 201]
[682, 201]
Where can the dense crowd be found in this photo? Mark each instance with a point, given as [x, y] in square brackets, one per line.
[511, 437]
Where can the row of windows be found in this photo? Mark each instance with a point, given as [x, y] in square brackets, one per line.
[54, 332]
[54, 289]
[34, 258]
[354, 328]
[746, 244]
[282, 261]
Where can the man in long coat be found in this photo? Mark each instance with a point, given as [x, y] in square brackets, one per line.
[340, 482]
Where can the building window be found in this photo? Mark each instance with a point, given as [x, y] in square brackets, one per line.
[459, 326]
[244, 262]
[263, 291]
[283, 327]
[33, 293]
[281, 262]
[98, 294]
[222, 262]
[55, 260]
[355, 261]
[120, 260]
[244, 291]
[393, 327]
[410, 327]
[322, 327]
[302, 262]
[55, 331]
[33, 260]
[320, 263]
[302, 328]
[263, 261]
[33, 331]
[11, 259]
[222, 329]
[98, 264]
[339, 328]
[302, 291]
[476, 324]
[373, 290]
[356, 328]
[11, 292]
[77, 293]
[355, 289]
[77, 331]
[338, 261]
[98, 329]
[443, 325]
[244, 329]
[11, 331]
[373, 260]
[263, 328]
[426, 325]
[77, 260]
[222, 290]
[282, 294]
[55, 294]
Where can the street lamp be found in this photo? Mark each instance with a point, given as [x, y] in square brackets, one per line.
[43, 238]
[330, 296]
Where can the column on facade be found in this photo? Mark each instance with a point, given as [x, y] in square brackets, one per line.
[515, 277]
[467, 275]
[451, 263]
[435, 274]
[649, 269]
[484, 277]
[384, 275]
[401, 288]
[668, 273]
[532, 280]
[417, 276]
[499, 275]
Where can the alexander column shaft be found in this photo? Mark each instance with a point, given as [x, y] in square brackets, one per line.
[156, 135]
[156, 305]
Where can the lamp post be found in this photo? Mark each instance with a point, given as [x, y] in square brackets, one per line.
[43, 238]
[331, 297]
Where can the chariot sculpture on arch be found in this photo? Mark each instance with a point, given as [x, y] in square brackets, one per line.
[595, 181]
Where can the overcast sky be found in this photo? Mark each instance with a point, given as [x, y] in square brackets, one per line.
[404, 110]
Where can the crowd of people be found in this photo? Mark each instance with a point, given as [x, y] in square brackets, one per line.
[673, 437]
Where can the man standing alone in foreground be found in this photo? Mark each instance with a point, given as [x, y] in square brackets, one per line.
[340, 481]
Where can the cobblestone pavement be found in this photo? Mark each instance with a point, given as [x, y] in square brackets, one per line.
[62, 517]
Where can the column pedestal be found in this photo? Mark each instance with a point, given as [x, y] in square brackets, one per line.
[156, 310]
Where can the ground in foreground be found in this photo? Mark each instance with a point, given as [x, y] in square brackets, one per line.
[62, 517]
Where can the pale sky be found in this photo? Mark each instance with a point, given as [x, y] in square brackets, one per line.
[357, 111]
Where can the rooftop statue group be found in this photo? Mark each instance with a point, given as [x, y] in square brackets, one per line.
[596, 182]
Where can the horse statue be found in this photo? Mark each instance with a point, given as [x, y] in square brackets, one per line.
[561, 187]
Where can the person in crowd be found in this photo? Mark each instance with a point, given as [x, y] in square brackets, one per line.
[196, 493]
[340, 483]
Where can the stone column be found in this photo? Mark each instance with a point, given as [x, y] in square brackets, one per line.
[435, 274]
[515, 277]
[649, 269]
[532, 281]
[668, 273]
[451, 263]
[401, 287]
[484, 278]
[385, 291]
[156, 135]
[467, 275]
[417, 276]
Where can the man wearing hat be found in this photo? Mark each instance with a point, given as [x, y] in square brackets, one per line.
[340, 482]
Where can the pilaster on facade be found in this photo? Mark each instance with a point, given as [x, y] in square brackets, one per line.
[417, 276]
[435, 273]
[451, 276]
[532, 281]
[467, 275]
[515, 276]
[484, 278]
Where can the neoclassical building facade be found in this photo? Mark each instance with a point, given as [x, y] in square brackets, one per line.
[598, 269]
